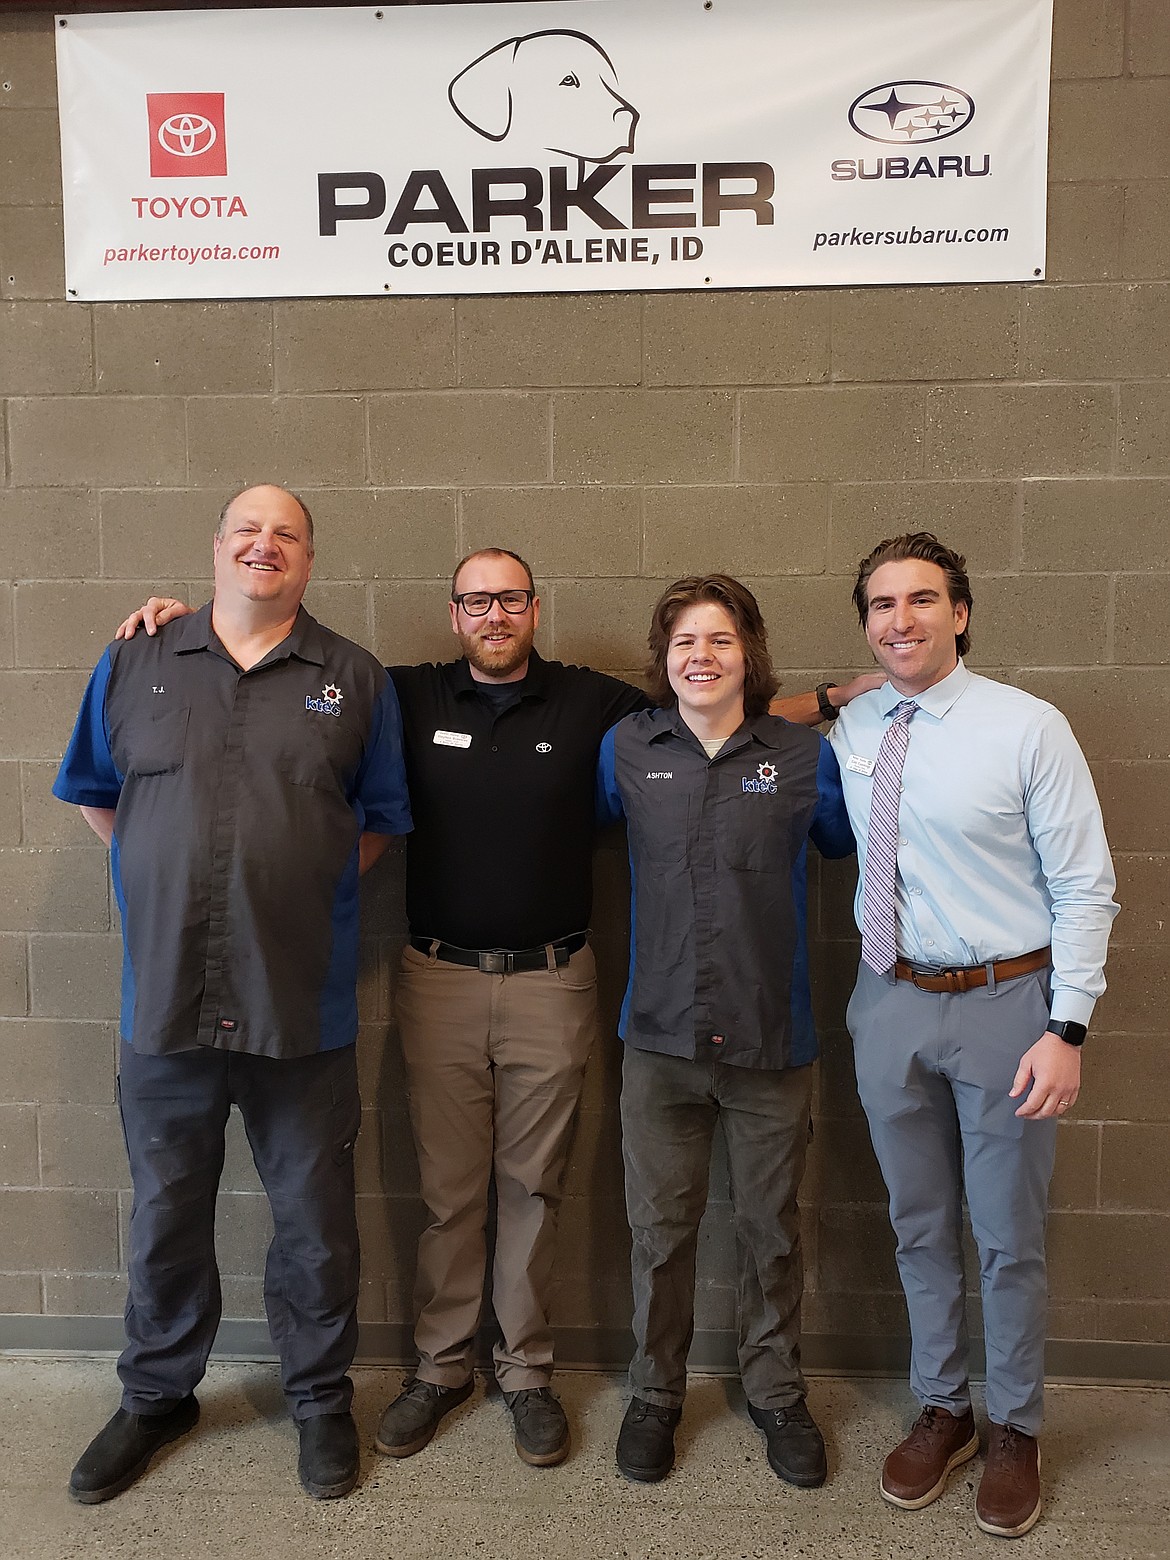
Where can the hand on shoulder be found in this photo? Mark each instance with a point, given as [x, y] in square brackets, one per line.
[152, 616]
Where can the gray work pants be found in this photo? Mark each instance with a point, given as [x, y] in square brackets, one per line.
[302, 1117]
[670, 1107]
[933, 1072]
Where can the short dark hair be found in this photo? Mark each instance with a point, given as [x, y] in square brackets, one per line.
[760, 681]
[491, 552]
[923, 547]
[247, 488]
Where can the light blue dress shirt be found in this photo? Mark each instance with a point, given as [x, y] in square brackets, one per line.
[1001, 848]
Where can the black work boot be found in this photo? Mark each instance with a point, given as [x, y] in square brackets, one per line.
[413, 1417]
[121, 1451]
[645, 1444]
[796, 1448]
[542, 1431]
[328, 1463]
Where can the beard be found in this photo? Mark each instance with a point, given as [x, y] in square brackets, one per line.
[498, 660]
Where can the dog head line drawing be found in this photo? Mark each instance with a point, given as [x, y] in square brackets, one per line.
[556, 89]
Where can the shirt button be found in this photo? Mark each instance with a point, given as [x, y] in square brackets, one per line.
[915, 890]
[930, 942]
[495, 750]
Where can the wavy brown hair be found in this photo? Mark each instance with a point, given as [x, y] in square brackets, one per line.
[760, 681]
[922, 547]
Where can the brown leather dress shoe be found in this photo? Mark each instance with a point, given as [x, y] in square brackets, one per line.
[1008, 1502]
[915, 1472]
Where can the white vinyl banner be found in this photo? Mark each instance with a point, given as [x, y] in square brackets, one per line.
[572, 146]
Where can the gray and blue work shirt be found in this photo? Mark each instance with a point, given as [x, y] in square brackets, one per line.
[719, 943]
[240, 799]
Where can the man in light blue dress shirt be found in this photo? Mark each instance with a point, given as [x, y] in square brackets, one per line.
[967, 1048]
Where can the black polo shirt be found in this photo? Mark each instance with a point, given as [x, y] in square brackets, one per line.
[503, 803]
[240, 798]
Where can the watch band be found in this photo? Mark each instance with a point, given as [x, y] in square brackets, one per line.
[1069, 1031]
[828, 710]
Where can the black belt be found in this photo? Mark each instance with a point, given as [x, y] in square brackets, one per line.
[502, 961]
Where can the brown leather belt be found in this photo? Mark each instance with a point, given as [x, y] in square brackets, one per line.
[966, 977]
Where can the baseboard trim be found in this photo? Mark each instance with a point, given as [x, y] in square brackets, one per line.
[1073, 1361]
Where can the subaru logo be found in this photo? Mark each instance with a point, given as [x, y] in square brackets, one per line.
[186, 135]
[904, 112]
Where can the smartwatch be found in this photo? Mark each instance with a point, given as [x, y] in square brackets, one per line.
[1071, 1033]
[828, 710]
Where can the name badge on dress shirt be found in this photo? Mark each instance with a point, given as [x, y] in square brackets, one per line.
[855, 763]
[453, 738]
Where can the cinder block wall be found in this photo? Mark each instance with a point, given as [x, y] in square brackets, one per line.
[616, 442]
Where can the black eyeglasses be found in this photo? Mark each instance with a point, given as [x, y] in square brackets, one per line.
[477, 603]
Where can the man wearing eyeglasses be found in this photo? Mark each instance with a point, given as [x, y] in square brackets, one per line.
[496, 997]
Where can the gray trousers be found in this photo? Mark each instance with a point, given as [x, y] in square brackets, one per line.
[302, 1117]
[933, 1072]
[669, 1110]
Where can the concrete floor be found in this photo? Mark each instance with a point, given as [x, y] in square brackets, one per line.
[230, 1488]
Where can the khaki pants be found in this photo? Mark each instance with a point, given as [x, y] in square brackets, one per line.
[494, 1066]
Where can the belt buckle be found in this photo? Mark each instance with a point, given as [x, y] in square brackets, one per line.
[495, 961]
[928, 980]
[956, 978]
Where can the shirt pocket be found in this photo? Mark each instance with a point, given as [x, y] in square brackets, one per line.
[758, 832]
[158, 746]
[307, 758]
[658, 827]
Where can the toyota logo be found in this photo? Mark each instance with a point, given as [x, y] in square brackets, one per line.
[186, 135]
[899, 112]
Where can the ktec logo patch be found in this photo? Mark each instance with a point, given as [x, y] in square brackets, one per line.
[187, 139]
[329, 703]
[765, 784]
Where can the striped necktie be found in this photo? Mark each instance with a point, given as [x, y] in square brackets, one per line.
[879, 905]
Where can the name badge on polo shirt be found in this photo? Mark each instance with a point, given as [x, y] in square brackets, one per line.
[453, 738]
[855, 763]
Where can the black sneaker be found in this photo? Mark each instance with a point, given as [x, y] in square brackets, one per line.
[413, 1417]
[645, 1444]
[121, 1451]
[328, 1464]
[542, 1431]
[796, 1448]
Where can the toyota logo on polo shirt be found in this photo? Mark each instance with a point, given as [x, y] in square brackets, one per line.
[544, 747]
